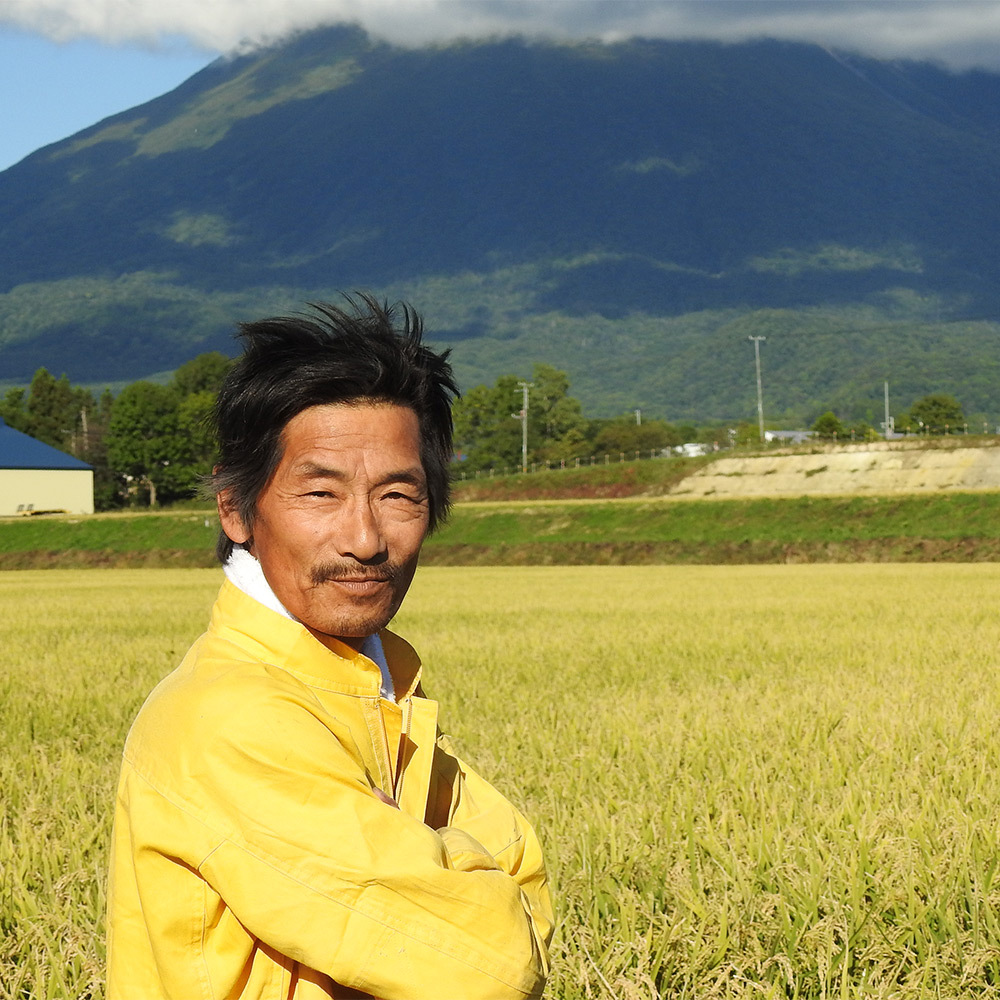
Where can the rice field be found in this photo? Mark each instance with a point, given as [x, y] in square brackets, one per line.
[751, 781]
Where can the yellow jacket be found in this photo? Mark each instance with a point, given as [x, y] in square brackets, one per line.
[252, 858]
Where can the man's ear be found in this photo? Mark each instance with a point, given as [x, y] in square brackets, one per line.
[229, 518]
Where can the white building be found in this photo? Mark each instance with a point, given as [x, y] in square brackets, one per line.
[36, 477]
[692, 449]
[789, 437]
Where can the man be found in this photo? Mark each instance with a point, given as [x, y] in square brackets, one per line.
[290, 822]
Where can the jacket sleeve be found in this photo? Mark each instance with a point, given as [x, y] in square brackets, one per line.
[485, 830]
[314, 865]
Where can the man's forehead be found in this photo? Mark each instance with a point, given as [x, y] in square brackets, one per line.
[317, 436]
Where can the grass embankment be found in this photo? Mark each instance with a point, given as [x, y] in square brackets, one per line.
[957, 527]
[148, 538]
[962, 527]
[750, 782]
[595, 482]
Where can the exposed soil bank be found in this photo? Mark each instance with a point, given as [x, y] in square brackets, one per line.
[883, 468]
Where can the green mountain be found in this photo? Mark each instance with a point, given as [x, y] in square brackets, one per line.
[630, 213]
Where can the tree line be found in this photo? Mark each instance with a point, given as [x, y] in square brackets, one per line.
[938, 413]
[490, 424]
[153, 443]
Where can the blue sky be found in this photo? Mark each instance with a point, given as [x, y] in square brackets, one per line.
[49, 90]
[66, 64]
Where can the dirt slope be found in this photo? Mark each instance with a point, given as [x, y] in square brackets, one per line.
[880, 468]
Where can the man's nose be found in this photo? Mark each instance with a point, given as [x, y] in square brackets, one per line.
[359, 533]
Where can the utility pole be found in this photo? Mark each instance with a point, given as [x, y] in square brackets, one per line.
[638, 417]
[760, 391]
[889, 424]
[523, 417]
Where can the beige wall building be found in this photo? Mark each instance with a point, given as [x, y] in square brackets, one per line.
[37, 477]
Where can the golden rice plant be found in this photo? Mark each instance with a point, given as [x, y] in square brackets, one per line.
[767, 781]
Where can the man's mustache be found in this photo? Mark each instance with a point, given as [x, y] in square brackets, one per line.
[352, 573]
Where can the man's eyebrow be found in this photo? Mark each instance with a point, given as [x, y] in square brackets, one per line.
[312, 470]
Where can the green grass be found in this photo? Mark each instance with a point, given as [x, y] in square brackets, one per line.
[103, 537]
[812, 519]
[754, 781]
[944, 526]
[952, 526]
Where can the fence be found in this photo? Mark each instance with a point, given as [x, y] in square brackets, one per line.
[572, 463]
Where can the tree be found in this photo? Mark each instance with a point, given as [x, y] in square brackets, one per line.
[862, 430]
[202, 374]
[195, 428]
[938, 413]
[51, 411]
[12, 409]
[623, 434]
[828, 426]
[557, 427]
[94, 451]
[144, 443]
[488, 432]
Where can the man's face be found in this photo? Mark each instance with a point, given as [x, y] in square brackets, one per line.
[340, 524]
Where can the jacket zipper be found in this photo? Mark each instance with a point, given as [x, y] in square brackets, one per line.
[380, 743]
[404, 739]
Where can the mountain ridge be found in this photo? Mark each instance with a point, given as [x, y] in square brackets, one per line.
[580, 204]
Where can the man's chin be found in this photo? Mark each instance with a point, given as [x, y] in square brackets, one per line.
[349, 618]
[352, 630]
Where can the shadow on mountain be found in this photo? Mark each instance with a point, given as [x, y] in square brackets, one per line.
[614, 289]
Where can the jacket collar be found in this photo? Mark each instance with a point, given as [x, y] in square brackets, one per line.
[268, 635]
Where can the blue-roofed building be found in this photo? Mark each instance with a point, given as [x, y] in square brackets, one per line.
[37, 477]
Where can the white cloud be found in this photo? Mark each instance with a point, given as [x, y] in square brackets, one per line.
[961, 33]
